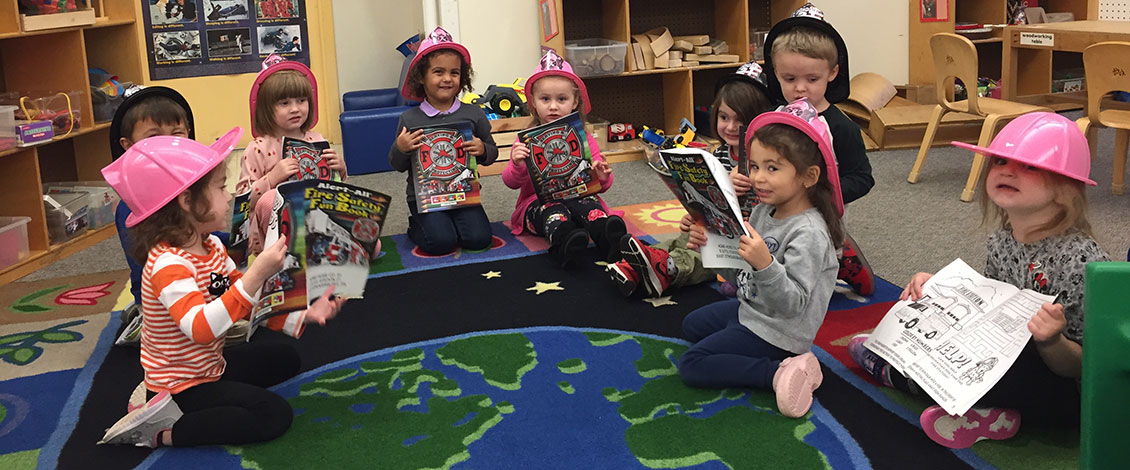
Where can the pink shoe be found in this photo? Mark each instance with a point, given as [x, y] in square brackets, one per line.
[960, 432]
[137, 398]
[796, 378]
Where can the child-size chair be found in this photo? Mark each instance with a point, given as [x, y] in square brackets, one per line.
[956, 57]
[368, 128]
[1106, 366]
[1106, 66]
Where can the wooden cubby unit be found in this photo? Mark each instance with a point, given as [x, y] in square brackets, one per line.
[57, 60]
[989, 50]
[660, 98]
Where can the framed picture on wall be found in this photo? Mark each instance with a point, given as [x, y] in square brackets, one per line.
[548, 13]
[934, 10]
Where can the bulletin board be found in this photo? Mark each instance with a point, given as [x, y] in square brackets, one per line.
[193, 38]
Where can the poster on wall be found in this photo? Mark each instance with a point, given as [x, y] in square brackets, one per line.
[193, 38]
[934, 10]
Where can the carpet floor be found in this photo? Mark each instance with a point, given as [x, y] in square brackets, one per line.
[549, 368]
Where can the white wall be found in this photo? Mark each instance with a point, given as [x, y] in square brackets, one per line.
[502, 37]
[366, 33]
[876, 35]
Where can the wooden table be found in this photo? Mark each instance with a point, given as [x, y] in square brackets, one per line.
[1026, 63]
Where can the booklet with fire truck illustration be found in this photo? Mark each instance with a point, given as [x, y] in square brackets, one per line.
[560, 162]
[444, 174]
[332, 231]
[960, 338]
[703, 186]
[311, 165]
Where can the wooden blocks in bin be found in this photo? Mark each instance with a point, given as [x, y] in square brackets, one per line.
[658, 49]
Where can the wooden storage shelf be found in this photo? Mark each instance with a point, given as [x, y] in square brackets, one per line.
[660, 98]
[78, 132]
[57, 60]
[986, 12]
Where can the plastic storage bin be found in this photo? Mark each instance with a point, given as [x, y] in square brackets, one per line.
[101, 200]
[7, 127]
[7, 121]
[594, 57]
[13, 240]
[66, 215]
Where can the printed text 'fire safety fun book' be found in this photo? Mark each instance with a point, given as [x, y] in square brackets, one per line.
[703, 186]
[332, 231]
[443, 172]
[560, 162]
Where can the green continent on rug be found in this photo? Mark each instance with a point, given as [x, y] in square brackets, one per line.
[519, 399]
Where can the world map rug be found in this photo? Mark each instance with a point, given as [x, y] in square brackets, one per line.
[500, 359]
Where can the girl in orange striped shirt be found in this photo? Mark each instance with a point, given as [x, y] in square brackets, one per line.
[200, 393]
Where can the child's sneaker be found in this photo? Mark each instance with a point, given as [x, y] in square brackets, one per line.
[795, 380]
[137, 398]
[869, 361]
[571, 246]
[854, 268]
[131, 330]
[141, 427]
[614, 230]
[960, 432]
[624, 276]
[728, 289]
[650, 263]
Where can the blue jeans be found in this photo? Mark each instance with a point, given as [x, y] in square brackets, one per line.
[725, 353]
[438, 233]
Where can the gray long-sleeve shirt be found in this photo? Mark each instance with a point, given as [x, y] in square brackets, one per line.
[415, 117]
[785, 303]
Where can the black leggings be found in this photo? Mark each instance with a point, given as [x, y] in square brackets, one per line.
[1029, 386]
[238, 409]
[546, 219]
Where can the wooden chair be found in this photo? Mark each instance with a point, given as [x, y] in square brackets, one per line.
[1107, 65]
[956, 57]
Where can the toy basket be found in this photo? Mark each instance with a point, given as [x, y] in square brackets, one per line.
[63, 109]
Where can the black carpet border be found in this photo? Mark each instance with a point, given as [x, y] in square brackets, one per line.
[889, 442]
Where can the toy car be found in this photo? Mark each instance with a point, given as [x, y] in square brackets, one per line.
[620, 132]
[504, 100]
[654, 137]
[686, 134]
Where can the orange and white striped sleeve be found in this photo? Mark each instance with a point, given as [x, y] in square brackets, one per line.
[174, 281]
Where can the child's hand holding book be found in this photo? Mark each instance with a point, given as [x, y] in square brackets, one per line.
[334, 161]
[475, 146]
[266, 264]
[519, 152]
[603, 170]
[753, 249]
[283, 171]
[325, 308]
[409, 141]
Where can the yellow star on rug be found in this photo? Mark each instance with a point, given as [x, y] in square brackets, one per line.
[491, 274]
[545, 286]
[660, 301]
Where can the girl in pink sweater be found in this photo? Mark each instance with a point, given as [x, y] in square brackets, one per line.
[554, 91]
[284, 103]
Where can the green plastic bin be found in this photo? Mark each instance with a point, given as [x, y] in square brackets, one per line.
[1106, 367]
